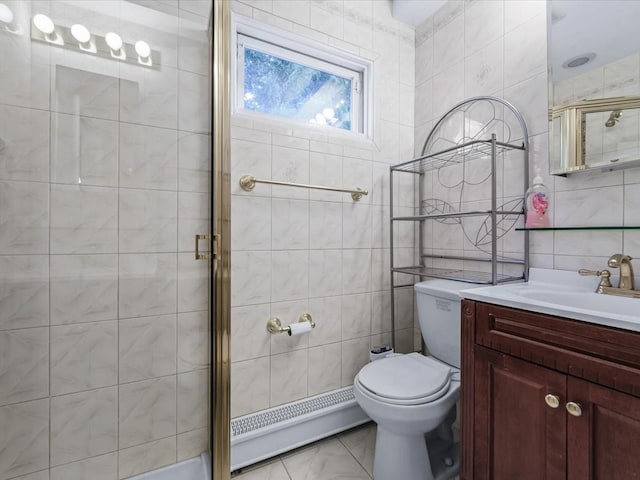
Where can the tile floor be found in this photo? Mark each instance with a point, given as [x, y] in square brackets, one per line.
[346, 456]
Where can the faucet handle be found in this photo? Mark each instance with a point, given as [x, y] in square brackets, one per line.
[605, 276]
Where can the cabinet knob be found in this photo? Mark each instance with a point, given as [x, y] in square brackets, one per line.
[552, 400]
[574, 409]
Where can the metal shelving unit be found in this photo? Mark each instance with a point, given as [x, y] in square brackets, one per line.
[488, 138]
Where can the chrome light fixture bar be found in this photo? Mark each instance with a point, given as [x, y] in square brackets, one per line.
[79, 38]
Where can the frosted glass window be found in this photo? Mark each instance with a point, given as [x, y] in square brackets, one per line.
[281, 87]
[277, 76]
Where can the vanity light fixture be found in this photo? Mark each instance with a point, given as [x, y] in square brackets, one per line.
[113, 41]
[43, 23]
[80, 33]
[143, 49]
[6, 15]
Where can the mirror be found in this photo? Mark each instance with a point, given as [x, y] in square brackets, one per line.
[594, 85]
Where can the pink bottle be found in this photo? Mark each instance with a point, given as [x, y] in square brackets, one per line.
[537, 204]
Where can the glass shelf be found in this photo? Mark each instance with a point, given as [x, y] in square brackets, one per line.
[552, 229]
[455, 274]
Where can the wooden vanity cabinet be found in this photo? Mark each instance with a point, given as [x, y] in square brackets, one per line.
[511, 361]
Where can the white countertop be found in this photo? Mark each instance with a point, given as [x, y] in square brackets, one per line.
[564, 294]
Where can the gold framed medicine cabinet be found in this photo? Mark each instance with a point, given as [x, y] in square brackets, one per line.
[569, 135]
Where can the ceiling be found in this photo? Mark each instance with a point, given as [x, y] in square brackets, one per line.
[414, 12]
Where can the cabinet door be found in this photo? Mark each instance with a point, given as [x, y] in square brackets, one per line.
[603, 440]
[517, 434]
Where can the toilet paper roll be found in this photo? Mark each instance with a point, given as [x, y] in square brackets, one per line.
[299, 328]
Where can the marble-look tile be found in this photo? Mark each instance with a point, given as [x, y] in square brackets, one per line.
[149, 96]
[289, 313]
[631, 204]
[424, 62]
[297, 12]
[84, 288]
[361, 442]
[448, 45]
[355, 354]
[590, 206]
[148, 157]
[193, 42]
[448, 89]
[193, 283]
[530, 97]
[103, 467]
[356, 225]
[484, 70]
[148, 284]
[525, 54]
[325, 368]
[356, 315]
[327, 315]
[192, 444]
[380, 263]
[148, 221]
[146, 457]
[147, 347]
[24, 291]
[249, 337]
[517, 13]
[250, 158]
[193, 340]
[325, 273]
[249, 386]
[24, 443]
[289, 165]
[289, 275]
[194, 162]
[83, 425]
[24, 81]
[24, 144]
[24, 370]
[325, 169]
[250, 278]
[289, 373]
[589, 243]
[147, 411]
[41, 475]
[252, 228]
[289, 224]
[85, 93]
[484, 23]
[84, 219]
[380, 312]
[24, 218]
[404, 301]
[84, 150]
[327, 459]
[325, 225]
[194, 214]
[193, 400]
[193, 92]
[272, 471]
[358, 172]
[356, 271]
[83, 357]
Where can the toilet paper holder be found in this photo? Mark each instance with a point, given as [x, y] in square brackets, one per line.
[274, 325]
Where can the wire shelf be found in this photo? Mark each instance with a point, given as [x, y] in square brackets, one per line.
[469, 151]
[460, 275]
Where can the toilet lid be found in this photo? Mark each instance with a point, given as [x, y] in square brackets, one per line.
[406, 379]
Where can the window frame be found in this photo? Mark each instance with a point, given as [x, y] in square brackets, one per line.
[291, 47]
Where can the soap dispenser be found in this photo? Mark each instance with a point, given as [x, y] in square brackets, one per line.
[537, 204]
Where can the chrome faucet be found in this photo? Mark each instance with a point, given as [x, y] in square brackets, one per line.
[623, 262]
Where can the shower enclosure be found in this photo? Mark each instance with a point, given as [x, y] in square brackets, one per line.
[105, 179]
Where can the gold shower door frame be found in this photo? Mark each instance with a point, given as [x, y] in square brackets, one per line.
[221, 213]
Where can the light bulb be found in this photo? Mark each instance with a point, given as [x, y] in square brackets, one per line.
[6, 15]
[143, 49]
[114, 41]
[43, 23]
[80, 33]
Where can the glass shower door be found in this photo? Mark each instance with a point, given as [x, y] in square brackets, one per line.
[105, 178]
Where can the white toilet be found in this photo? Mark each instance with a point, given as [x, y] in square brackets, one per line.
[412, 397]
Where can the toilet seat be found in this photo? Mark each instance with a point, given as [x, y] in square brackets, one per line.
[411, 379]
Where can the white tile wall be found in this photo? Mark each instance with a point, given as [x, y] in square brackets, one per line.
[297, 250]
[104, 178]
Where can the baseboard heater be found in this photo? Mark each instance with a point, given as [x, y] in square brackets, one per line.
[270, 432]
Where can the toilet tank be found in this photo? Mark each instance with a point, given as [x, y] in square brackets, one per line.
[438, 304]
